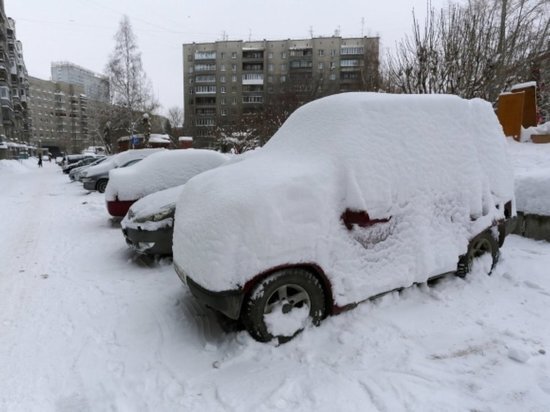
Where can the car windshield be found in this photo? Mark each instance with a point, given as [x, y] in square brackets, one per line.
[131, 162]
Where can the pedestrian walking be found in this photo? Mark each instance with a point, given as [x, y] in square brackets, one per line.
[39, 160]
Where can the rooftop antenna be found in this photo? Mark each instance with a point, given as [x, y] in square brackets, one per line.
[337, 31]
[362, 26]
[311, 31]
[249, 34]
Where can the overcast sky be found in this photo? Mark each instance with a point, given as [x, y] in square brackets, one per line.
[81, 31]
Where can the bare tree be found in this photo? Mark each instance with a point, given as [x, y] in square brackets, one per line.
[473, 50]
[131, 91]
[175, 115]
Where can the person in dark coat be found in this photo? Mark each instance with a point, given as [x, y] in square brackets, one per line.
[39, 160]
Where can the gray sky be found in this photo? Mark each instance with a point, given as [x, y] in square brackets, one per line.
[81, 31]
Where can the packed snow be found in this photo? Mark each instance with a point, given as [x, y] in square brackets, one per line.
[85, 325]
[532, 176]
[160, 171]
[429, 164]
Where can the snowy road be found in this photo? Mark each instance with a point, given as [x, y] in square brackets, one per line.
[86, 326]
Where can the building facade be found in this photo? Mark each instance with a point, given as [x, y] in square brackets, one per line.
[15, 123]
[95, 86]
[60, 115]
[225, 81]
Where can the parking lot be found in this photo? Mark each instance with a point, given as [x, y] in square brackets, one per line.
[85, 324]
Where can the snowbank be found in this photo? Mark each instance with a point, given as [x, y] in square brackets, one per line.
[17, 166]
[160, 171]
[532, 176]
[540, 129]
[427, 163]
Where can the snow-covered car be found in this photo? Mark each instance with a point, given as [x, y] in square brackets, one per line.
[356, 195]
[97, 177]
[149, 224]
[84, 162]
[157, 172]
[75, 173]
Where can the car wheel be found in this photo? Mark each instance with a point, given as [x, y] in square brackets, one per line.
[281, 305]
[482, 244]
[101, 185]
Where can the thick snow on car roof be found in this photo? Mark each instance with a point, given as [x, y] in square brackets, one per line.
[160, 171]
[417, 158]
[120, 159]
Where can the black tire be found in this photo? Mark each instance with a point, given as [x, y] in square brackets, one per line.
[101, 185]
[483, 243]
[286, 289]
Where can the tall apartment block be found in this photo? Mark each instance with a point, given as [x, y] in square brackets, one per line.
[14, 85]
[95, 86]
[60, 115]
[226, 80]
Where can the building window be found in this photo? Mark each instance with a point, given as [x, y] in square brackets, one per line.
[190, 57]
[234, 55]
[205, 67]
[209, 78]
[321, 52]
[205, 89]
[234, 101]
[283, 55]
[283, 79]
[321, 65]
[202, 55]
[332, 76]
[270, 67]
[283, 68]
[332, 65]
[222, 68]
[270, 54]
[222, 79]
[253, 99]
[333, 52]
[349, 63]
[233, 67]
[222, 101]
[234, 78]
[222, 55]
[222, 89]
[224, 112]
[351, 50]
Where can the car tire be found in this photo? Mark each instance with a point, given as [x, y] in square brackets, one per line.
[484, 243]
[285, 290]
[101, 185]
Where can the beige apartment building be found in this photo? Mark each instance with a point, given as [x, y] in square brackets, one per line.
[225, 81]
[60, 115]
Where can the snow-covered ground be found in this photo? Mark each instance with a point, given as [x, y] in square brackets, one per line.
[87, 326]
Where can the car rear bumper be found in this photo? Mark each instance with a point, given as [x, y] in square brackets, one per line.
[228, 302]
[119, 208]
[156, 242]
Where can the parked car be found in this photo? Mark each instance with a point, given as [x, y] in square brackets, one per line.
[97, 177]
[149, 224]
[75, 173]
[70, 159]
[159, 171]
[356, 195]
[84, 162]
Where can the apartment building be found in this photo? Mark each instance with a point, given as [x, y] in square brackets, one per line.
[96, 86]
[15, 123]
[60, 115]
[225, 81]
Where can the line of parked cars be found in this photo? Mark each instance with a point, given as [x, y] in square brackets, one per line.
[356, 195]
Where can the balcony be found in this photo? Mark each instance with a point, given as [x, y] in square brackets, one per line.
[252, 78]
[205, 55]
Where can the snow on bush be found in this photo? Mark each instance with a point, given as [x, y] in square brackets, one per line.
[160, 171]
[427, 163]
[532, 176]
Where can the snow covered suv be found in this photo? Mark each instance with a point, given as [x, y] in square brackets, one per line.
[356, 195]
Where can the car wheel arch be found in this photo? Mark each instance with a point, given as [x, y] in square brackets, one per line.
[311, 268]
